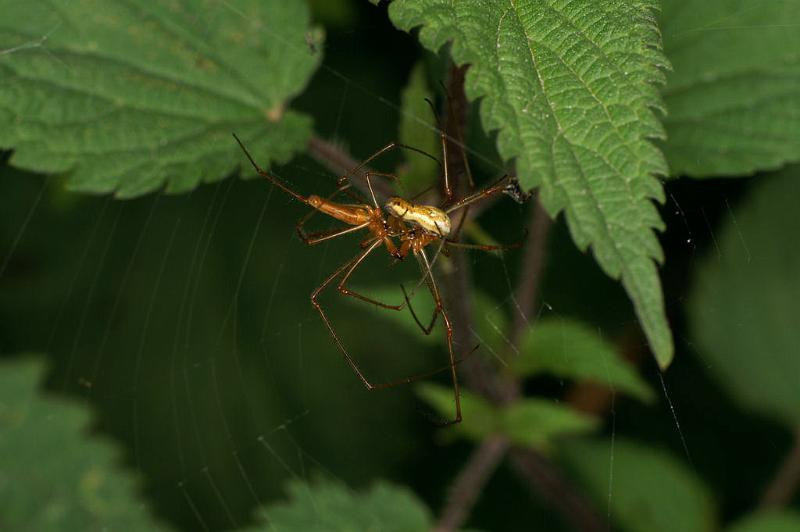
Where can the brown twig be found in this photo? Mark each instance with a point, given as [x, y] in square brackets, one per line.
[548, 484]
[786, 481]
[470, 480]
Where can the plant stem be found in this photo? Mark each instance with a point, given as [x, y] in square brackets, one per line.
[470, 481]
[787, 479]
[548, 484]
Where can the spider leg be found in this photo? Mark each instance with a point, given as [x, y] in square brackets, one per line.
[426, 330]
[499, 186]
[315, 294]
[431, 282]
[342, 287]
[347, 269]
[274, 180]
[386, 149]
[482, 247]
[321, 236]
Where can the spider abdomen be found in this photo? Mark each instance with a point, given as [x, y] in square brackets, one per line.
[429, 218]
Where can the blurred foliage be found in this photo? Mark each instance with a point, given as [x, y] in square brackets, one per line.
[52, 476]
[774, 521]
[732, 94]
[327, 507]
[528, 422]
[183, 322]
[569, 349]
[418, 129]
[746, 301]
[643, 488]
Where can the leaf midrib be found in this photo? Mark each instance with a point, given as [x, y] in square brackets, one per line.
[561, 132]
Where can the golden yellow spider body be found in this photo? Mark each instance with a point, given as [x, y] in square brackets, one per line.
[431, 219]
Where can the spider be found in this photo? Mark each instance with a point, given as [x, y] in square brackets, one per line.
[402, 227]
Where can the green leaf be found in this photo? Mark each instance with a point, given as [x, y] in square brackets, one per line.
[129, 97]
[416, 130]
[481, 418]
[528, 422]
[570, 88]
[538, 422]
[570, 349]
[746, 298]
[331, 507]
[734, 94]
[646, 490]
[52, 475]
[774, 521]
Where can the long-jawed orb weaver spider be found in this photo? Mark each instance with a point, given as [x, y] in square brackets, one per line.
[413, 225]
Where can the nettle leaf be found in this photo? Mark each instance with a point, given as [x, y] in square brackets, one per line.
[744, 305]
[130, 97]
[53, 476]
[325, 506]
[570, 349]
[529, 422]
[570, 88]
[734, 94]
[771, 521]
[646, 490]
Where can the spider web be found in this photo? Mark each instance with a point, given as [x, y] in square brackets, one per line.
[185, 322]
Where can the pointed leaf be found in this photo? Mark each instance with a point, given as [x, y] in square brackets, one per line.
[745, 302]
[129, 97]
[538, 422]
[481, 418]
[528, 422]
[734, 94]
[570, 88]
[570, 349]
